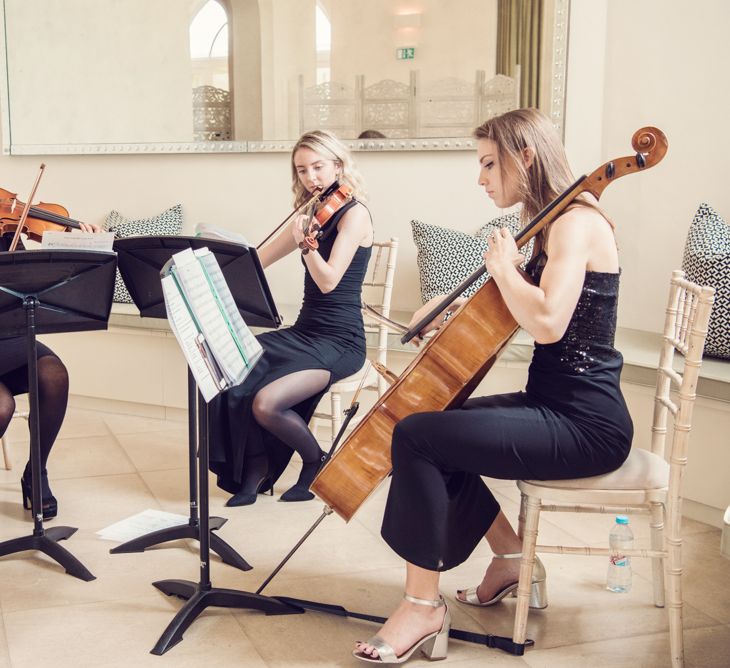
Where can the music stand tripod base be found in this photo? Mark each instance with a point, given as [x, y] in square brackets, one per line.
[47, 542]
[199, 598]
[202, 594]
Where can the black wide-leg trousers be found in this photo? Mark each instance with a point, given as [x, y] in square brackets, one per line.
[438, 507]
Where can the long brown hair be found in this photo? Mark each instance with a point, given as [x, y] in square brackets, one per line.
[548, 175]
[328, 146]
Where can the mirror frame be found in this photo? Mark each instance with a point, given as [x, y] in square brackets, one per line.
[556, 114]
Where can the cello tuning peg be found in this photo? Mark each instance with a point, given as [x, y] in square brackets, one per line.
[640, 160]
[610, 170]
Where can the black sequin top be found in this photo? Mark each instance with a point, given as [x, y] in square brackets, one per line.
[589, 337]
[579, 376]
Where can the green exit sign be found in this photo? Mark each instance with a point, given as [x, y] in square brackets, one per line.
[405, 53]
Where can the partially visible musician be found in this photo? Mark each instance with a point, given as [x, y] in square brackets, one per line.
[52, 394]
[256, 426]
[570, 421]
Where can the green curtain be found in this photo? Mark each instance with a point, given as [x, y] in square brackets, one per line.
[519, 43]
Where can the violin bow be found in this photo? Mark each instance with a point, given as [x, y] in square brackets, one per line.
[650, 145]
[26, 210]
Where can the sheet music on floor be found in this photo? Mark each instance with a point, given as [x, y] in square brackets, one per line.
[140, 524]
[217, 344]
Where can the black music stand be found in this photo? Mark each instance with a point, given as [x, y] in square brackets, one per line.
[45, 292]
[140, 258]
[140, 262]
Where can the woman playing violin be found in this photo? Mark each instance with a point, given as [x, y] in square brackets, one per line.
[260, 423]
[52, 395]
[571, 420]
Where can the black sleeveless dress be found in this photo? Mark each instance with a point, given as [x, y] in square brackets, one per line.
[328, 334]
[571, 421]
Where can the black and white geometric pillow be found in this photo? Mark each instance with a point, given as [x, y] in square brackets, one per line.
[707, 262]
[167, 223]
[446, 257]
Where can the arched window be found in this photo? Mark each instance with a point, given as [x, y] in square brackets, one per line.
[209, 54]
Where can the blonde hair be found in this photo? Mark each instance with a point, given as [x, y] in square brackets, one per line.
[548, 175]
[328, 146]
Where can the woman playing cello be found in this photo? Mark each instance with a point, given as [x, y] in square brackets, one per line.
[571, 420]
[260, 423]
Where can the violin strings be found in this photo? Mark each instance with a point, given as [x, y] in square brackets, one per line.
[53, 217]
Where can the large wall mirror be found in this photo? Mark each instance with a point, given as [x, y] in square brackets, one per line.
[87, 76]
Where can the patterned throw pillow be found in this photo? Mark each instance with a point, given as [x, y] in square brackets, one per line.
[446, 257]
[167, 223]
[707, 262]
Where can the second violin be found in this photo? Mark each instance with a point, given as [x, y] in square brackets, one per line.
[321, 211]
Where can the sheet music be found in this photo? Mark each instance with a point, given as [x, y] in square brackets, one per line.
[199, 296]
[247, 343]
[96, 241]
[186, 332]
[140, 525]
[208, 231]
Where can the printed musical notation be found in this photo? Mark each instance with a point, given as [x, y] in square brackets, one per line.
[218, 346]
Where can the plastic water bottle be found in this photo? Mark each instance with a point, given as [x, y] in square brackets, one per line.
[620, 539]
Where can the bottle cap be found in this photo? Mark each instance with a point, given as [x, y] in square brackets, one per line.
[622, 519]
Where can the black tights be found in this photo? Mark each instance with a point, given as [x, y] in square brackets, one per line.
[52, 399]
[273, 409]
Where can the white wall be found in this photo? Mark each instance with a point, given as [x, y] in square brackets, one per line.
[665, 65]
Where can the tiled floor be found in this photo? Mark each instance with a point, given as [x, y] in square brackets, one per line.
[107, 467]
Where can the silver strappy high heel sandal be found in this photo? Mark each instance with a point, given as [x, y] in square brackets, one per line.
[434, 645]
[538, 591]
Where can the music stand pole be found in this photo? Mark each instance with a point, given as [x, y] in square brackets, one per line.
[192, 529]
[201, 595]
[43, 540]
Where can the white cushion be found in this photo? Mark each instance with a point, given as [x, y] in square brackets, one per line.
[641, 470]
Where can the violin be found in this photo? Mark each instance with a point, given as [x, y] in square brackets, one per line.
[41, 217]
[323, 208]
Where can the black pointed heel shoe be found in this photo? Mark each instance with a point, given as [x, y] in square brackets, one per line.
[48, 501]
[300, 490]
[247, 498]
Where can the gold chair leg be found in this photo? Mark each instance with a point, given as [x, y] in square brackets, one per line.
[529, 540]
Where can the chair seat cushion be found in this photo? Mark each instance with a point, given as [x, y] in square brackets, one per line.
[641, 470]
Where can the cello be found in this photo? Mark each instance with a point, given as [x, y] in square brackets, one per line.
[455, 360]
